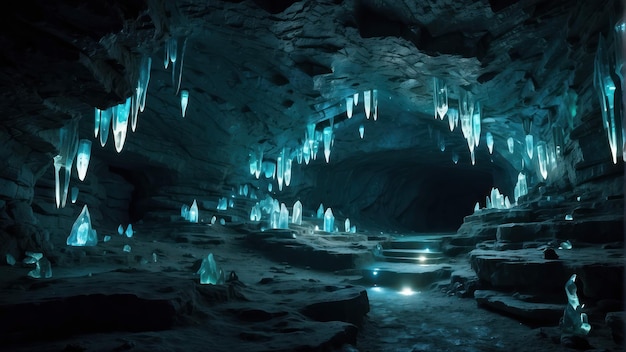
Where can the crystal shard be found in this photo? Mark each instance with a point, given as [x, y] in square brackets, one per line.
[209, 271]
[347, 225]
[222, 204]
[193, 212]
[296, 217]
[440, 97]
[129, 231]
[283, 219]
[82, 234]
[184, 100]
[356, 98]
[96, 125]
[82, 158]
[320, 211]
[329, 221]
[68, 148]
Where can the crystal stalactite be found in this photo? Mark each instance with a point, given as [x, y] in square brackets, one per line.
[144, 79]
[315, 149]
[68, 148]
[605, 87]
[74, 194]
[296, 217]
[259, 162]
[105, 125]
[476, 124]
[510, 142]
[96, 125]
[328, 136]
[329, 220]
[367, 102]
[355, 98]
[442, 143]
[283, 219]
[530, 145]
[268, 168]
[361, 131]
[473, 157]
[287, 176]
[57, 162]
[184, 100]
[306, 153]
[280, 170]
[375, 104]
[489, 140]
[349, 106]
[440, 96]
[120, 124]
[82, 234]
[542, 159]
[455, 157]
[82, 158]
[299, 155]
[453, 118]
[252, 162]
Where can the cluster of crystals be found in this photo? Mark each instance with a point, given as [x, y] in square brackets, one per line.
[43, 268]
[190, 213]
[574, 321]
[495, 200]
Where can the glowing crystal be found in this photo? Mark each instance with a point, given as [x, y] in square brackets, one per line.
[296, 217]
[82, 158]
[329, 221]
[184, 100]
[82, 234]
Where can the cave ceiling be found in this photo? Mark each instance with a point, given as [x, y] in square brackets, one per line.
[258, 71]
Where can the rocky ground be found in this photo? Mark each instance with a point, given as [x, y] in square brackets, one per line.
[104, 299]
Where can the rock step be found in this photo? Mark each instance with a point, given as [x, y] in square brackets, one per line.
[411, 253]
[413, 260]
[535, 312]
[400, 275]
[595, 230]
[600, 270]
[433, 244]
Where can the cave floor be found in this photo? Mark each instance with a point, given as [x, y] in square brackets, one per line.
[426, 319]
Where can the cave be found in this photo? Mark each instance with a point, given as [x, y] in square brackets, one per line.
[326, 175]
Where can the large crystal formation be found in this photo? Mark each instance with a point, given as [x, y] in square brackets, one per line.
[573, 320]
[82, 158]
[296, 217]
[329, 221]
[283, 218]
[82, 234]
[209, 272]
